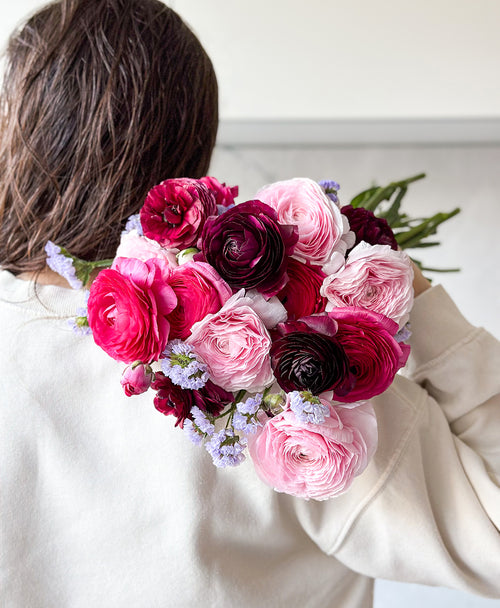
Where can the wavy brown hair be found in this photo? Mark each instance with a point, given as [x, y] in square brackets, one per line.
[102, 99]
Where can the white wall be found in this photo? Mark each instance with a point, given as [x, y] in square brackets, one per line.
[334, 59]
[352, 58]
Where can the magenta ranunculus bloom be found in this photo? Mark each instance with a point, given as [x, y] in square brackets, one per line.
[301, 295]
[172, 400]
[368, 227]
[374, 355]
[248, 247]
[128, 308]
[224, 195]
[174, 212]
[200, 291]
[306, 355]
[310, 460]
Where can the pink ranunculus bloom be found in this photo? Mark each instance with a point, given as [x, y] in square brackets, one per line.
[175, 211]
[128, 307]
[323, 230]
[373, 353]
[200, 291]
[224, 195]
[310, 460]
[235, 345]
[374, 277]
[133, 245]
[136, 378]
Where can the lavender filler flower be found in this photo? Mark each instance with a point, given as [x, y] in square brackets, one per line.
[182, 365]
[307, 408]
[245, 417]
[62, 264]
[202, 422]
[133, 223]
[193, 432]
[79, 324]
[403, 334]
[226, 449]
[331, 188]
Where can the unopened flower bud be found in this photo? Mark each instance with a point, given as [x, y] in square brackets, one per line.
[136, 378]
[186, 255]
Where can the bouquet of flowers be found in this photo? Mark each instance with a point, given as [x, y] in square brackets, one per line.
[265, 326]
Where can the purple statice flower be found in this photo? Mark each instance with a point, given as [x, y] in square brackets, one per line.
[251, 405]
[226, 449]
[182, 366]
[245, 424]
[403, 334]
[80, 326]
[192, 432]
[62, 264]
[245, 417]
[331, 188]
[307, 408]
[133, 223]
[222, 208]
[201, 421]
[79, 323]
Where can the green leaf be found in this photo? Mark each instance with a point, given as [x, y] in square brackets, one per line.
[362, 197]
[410, 232]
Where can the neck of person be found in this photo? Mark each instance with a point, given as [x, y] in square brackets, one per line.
[46, 277]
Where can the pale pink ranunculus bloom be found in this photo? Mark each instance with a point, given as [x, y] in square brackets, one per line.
[310, 460]
[374, 277]
[323, 230]
[235, 345]
[133, 245]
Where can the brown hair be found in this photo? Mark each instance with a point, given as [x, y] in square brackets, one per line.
[102, 100]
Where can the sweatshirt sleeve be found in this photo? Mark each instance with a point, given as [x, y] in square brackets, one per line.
[427, 509]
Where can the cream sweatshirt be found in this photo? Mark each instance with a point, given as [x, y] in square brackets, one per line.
[103, 503]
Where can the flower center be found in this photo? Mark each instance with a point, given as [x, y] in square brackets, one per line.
[172, 215]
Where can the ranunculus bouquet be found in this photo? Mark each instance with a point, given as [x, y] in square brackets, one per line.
[266, 325]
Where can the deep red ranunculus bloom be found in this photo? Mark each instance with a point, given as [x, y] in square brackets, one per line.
[174, 212]
[224, 195]
[374, 355]
[173, 400]
[248, 247]
[300, 296]
[368, 227]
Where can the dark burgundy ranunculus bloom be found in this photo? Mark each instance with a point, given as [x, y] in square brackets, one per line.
[174, 212]
[212, 398]
[301, 296]
[248, 247]
[305, 359]
[369, 228]
[224, 195]
[171, 399]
